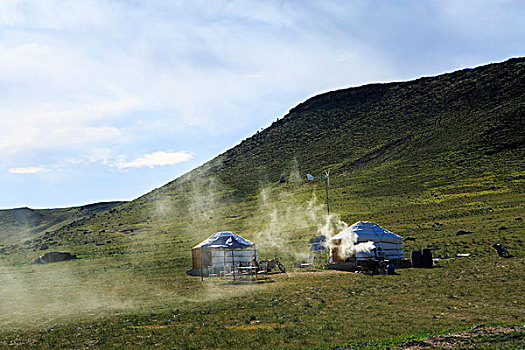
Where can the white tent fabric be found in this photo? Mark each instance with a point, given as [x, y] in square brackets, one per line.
[225, 240]
[361, 232]
[223, 249]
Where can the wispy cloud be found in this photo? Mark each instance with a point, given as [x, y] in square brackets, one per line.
[27, 170]
[154, 159]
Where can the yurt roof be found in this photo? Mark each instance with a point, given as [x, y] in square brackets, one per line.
[225, 240]
[368, 231]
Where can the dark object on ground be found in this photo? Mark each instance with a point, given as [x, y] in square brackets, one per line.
[502, 251]
[52, 257]
[416, 258]
[390, 269]
[461, 232]
[426, 258]
[372, 267]
[410, 238]
[193, 272]
[422, 259]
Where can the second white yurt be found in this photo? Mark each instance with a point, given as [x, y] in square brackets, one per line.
[358, 242]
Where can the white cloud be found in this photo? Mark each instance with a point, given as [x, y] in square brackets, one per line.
[27, 170]
[154, 159]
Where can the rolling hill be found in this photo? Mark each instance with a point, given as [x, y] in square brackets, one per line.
[22, 225]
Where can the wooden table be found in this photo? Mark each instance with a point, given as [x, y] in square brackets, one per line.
[249, 270]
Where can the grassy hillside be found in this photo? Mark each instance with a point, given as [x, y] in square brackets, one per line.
[444, 146]
[438, 160]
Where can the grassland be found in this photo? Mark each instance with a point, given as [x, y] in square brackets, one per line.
[417, 158]
[124, 308]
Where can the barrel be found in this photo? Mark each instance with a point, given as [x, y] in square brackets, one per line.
[416, 258]
[426, 258]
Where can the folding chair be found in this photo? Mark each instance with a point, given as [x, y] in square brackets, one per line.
[263, 270]
[227, 272]
[211, 272]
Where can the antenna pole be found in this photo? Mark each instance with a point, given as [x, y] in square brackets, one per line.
[326, 186]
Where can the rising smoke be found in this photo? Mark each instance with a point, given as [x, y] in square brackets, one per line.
[285, 218]
[347, 246]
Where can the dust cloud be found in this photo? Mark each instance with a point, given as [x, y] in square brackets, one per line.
[285, 220]
[41, 295]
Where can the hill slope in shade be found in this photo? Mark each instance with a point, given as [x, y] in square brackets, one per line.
[20, 224]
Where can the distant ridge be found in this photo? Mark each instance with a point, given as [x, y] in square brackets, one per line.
[19, 224]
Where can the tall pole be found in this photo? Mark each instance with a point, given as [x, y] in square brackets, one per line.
[326, 182]
[202, 272]
[326, 186]
[233, 266]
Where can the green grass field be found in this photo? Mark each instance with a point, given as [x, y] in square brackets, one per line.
[134, 292]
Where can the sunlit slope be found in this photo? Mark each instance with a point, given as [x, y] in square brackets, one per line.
[451, 146]
[465, 121]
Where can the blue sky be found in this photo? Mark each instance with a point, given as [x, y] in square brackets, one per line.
[106, 100]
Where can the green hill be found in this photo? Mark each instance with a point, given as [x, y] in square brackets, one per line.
[390, 147]
[442, 146]
[439, 160]
[432, 144]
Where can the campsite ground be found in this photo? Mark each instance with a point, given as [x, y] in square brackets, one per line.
[298, 309]
[133, 292]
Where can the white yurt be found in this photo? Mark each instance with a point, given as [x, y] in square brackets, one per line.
[358, 241]
[222, 249]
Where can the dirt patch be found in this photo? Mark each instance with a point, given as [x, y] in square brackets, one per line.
[473, 338]
[256, 326]
[153, 326]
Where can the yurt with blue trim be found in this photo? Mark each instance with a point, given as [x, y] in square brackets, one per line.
[223, 249]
